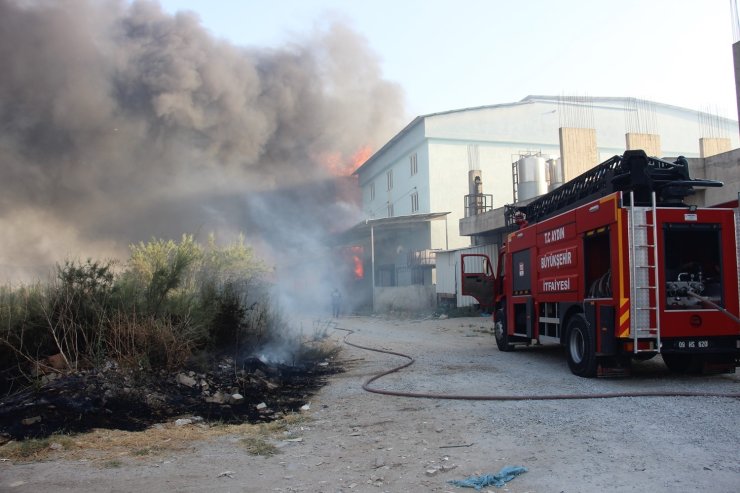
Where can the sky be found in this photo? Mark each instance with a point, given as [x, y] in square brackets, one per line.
[452, 54]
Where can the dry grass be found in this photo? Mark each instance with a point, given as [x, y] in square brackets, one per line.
[258, 446]
[108, 448]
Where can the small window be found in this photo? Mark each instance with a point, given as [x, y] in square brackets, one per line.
[415, 202]
[390, 209]
[389, 176]
[412, 164]
[372, 191]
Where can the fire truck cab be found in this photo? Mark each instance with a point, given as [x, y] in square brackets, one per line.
[615, 266]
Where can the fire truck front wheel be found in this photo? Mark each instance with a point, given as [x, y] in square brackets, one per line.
[581, 347]
[499, 331]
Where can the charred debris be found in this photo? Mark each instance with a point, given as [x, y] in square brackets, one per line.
[228, 391]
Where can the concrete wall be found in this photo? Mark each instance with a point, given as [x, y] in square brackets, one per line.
[488, 221]
[404, 184]
[650, 143]
[404, 298]
[712, 146]
[396, 157]
[578, 151]
[725, 168]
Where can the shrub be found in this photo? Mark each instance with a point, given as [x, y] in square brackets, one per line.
[168, 300]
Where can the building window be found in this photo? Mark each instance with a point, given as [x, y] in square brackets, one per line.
[390, 209]
[412, 164]
[389, 176]
[415, 202]
[372, 191]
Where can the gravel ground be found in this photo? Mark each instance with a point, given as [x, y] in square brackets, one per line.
[357, 441]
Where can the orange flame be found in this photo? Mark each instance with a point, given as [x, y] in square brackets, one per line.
[359, 157]
[359, 269]
[338, 164]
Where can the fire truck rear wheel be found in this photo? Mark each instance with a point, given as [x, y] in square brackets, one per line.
[499, 331]
[581, 347]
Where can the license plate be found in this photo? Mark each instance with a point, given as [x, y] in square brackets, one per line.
[693, 344]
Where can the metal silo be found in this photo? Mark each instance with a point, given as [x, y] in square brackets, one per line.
[555, 172]
[531, 177]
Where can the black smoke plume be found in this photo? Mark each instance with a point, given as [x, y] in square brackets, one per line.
[120, 122]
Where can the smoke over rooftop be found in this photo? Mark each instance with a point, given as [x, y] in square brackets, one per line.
[120, 122]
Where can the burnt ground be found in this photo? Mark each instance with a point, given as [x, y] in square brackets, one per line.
[117, 398]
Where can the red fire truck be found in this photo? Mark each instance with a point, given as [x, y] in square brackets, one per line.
[615, 266]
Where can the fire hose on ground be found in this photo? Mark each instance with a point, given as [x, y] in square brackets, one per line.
[526, 397]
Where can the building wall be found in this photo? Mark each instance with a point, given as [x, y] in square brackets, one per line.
[578, 151]
[396, 157]
[500, 133]
[713, 146]
[535, 122]
[725, 168]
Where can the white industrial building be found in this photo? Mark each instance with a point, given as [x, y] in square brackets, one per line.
[429, 167]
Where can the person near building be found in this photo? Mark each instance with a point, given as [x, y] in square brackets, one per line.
[336, 302]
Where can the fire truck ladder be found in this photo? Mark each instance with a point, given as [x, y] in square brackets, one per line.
[643, 238]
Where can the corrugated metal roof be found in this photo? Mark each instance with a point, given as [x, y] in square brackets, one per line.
[361, 231]
[526, 100]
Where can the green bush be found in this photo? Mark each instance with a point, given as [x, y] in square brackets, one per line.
[167, 301]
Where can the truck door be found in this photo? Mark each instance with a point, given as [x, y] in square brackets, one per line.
[476, 278]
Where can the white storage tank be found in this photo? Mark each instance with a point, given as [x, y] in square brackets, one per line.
[555, 172]
[532, 181]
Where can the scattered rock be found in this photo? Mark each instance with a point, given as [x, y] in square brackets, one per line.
[217, 398]
[306, 407]
[183, 422]
[433, 470]
[185, 380]
[56, 446]
[30, 421]
[50, 377]
[236, 399]
[261, 406]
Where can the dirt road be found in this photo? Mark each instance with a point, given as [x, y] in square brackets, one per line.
[356, 441]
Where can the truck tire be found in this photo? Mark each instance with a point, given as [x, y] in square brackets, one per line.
[581, 347]
[499, 331]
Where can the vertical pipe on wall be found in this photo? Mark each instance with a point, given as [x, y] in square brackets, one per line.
[372, 264]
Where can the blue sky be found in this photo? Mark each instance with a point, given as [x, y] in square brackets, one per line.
[450, 54]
